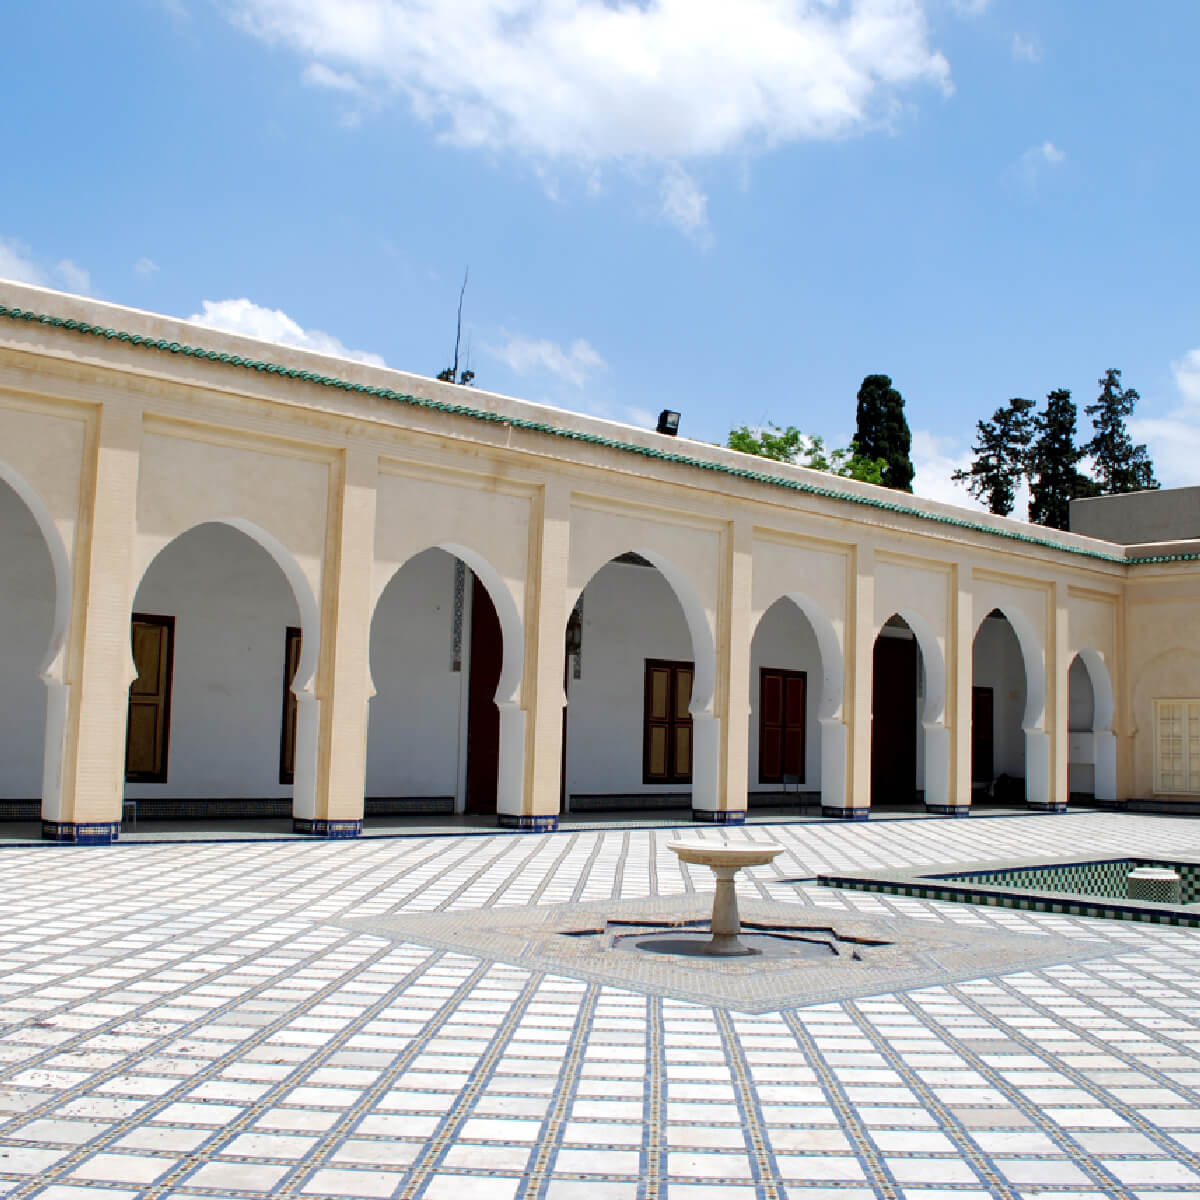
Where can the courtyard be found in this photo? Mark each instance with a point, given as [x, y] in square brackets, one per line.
[231, 1019]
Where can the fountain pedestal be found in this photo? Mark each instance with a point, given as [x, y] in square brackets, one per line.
[725, 862]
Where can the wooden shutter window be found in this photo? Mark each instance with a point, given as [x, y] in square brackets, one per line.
[1177, 746]
[287, 738]
[667, 732]
[147, 736]
[782, 718]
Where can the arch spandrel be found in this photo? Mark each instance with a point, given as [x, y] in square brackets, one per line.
[184, 483]
[508, 611]
[489, 526]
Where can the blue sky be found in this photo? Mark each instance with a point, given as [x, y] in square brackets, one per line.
[735, 210]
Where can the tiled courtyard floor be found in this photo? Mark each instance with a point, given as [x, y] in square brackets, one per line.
[191, 1020]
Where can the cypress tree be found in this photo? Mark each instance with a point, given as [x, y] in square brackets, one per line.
[1000, 454]
[1120, 466]
[1054, 476]
[883, 431]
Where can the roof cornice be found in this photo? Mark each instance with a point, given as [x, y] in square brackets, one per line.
[241, 362]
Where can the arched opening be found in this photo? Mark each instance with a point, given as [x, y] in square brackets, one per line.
[638, 728]
[444, 726]
[797, 741]
[909, 741]
[222, 722]
[1092, 758]
[1009, 751]
[27, 646]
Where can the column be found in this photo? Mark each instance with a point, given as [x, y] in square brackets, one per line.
[860, 646]
[1048, 750]
[721, 739]
[333, 807]
[531, 734]
[962, 681]
[99, 665]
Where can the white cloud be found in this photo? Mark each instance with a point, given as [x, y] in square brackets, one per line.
[273, 325]
[146, 267]
[1035, 162]
[935, 458]
[320, 76]
[1174, 440]
[590, 80]
[73, 277]
[1047, 152]
[1026, 49]
[684, 205]
[574, 364]
[17, 262]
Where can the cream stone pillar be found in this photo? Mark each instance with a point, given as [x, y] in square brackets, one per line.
[727, 728]
[333, 806]
[532, 732]
[962, 659]
[99, 659]
[859, 670]
[1048, 751]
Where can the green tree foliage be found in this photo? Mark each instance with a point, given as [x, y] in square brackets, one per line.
[1118, 464]
[791, 446]
[1054, 476]
[1000, 453]
[883, 432]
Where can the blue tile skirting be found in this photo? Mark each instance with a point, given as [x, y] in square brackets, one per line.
[326, 829]
[728, 816]
[529, 823]
[82, 833]
[949, 810]
[845, 814]
[1047, 806]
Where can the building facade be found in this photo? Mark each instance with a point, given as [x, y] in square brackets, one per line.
[239, 578]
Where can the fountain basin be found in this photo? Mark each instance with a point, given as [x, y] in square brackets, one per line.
[725, 859]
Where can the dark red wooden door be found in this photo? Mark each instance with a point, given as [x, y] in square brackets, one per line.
[483, 717]
[894, 721]
[781, 725]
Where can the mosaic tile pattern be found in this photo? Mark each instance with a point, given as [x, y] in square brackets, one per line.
[574, 940]
[197, 1020]
[1106, 877]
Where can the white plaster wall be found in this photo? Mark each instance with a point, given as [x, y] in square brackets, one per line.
[630, 614]
[232, 606]
[26, 623]
[998, 665]
[784, 640]
[413, 744]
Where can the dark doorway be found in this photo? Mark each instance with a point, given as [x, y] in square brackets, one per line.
[483, 717]
[894, 721]
[983, 735]
[148, 729]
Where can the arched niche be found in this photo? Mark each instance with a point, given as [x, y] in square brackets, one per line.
[910, 744]
[795, 634]
[653, 615]
[1008, 661]
[231, 593]
[1093, 745]
[429, 621]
